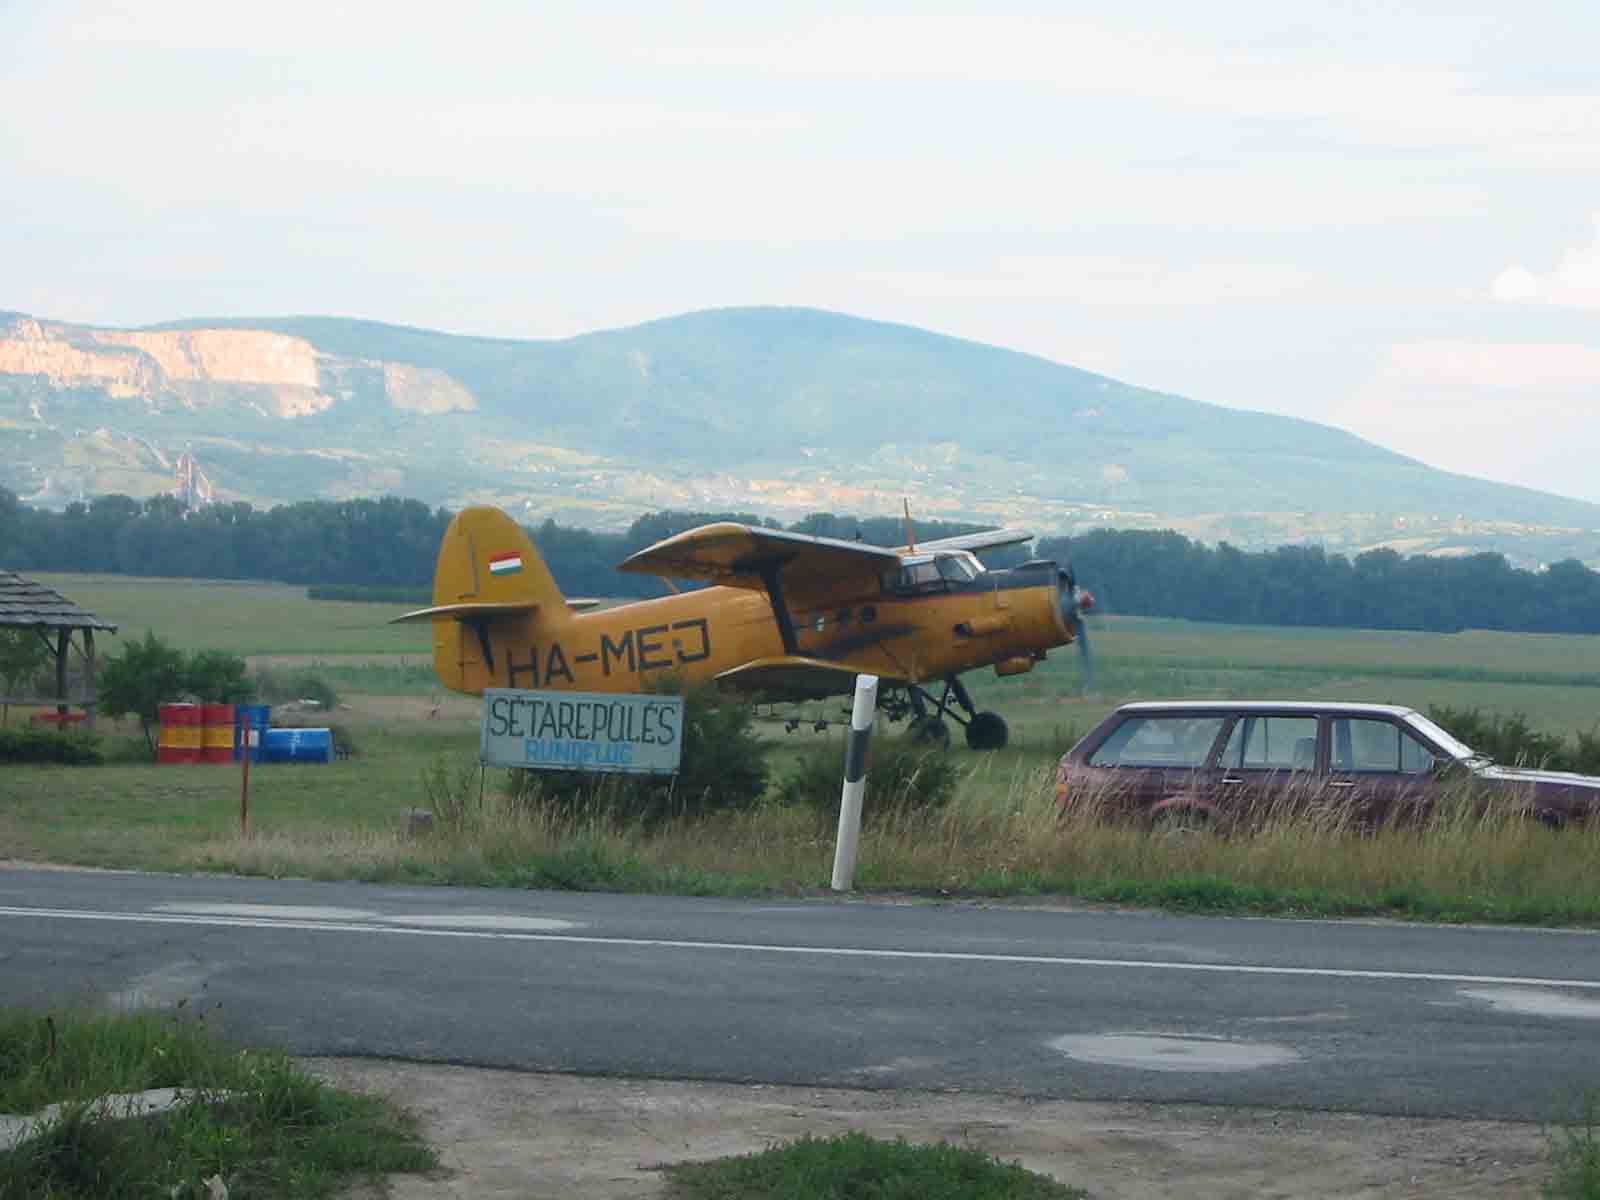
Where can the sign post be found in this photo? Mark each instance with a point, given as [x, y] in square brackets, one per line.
[581, 731]
[855, 782]
[244, 777]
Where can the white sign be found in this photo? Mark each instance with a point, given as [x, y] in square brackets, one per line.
[581, 731]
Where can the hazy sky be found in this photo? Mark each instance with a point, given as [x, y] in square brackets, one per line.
[1386, 217]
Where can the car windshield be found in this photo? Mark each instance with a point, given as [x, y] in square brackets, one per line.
[1450, 745]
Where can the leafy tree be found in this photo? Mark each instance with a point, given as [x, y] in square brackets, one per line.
[218, 677]
[23, 654]
[147, 674]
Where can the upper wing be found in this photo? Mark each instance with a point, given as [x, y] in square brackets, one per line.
[988, 539]
[746, 556]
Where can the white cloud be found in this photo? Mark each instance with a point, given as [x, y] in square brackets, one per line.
[1101, 280]
[1521, 413]
[1574, 283]
[1393, 105]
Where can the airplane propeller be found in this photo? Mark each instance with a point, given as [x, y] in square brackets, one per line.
[1075, 601]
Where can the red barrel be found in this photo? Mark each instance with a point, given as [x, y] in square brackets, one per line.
[180, 734]
[216, 733]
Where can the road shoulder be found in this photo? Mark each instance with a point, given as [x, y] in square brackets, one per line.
[529, 1135]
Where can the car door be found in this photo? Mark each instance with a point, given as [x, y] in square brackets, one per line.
[1382, 770]
[1270, 762]
[1154, 758]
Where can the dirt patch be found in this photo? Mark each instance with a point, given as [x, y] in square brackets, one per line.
[505, 1133]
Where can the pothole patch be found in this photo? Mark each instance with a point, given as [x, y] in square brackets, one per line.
[1536, 1002]
[1171, 1052]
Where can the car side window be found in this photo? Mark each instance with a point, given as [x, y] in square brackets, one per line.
[1377, 747]
[1159, 742]
[1272, 744]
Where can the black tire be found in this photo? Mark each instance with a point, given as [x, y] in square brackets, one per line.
[1181, 821]
[931, 732]
[987, 731]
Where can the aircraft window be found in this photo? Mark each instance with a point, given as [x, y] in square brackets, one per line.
[1272, 744]
[1159, 742]
[914, 579]
[956, 569]
[1377, 746]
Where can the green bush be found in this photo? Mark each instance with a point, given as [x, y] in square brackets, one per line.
[1513, 741]
[723, 768]
[31, 744]
[150, 672]
[902, 775]
[279, 686]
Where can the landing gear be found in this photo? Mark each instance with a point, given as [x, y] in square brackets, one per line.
[985, 730]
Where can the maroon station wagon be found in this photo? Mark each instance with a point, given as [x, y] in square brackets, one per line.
[1211, 757]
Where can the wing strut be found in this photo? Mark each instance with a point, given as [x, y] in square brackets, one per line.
[772, 575]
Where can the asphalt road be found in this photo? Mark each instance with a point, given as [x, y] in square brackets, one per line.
[1366, 1017]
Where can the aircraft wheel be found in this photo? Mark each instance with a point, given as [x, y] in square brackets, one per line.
[930, 731]
[987, 731]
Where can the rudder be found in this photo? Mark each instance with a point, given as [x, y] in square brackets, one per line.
[485, 559]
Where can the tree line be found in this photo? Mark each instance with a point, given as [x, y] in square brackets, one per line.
[1164, 574]
[393, 543]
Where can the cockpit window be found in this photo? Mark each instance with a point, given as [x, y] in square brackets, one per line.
[915, 579]
[955, 568]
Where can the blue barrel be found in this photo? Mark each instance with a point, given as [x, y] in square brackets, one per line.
[260, 718]
[299, 745]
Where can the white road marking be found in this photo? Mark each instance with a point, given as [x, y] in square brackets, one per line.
[482, 921]
[1536, 1003]
[1040, 960]
[1168, 1052]
[307, 912]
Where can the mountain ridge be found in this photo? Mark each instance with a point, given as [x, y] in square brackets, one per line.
[797, 409]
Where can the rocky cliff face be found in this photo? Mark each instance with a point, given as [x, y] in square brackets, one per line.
[276, 374]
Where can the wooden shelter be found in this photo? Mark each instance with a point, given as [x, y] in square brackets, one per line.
[25, 604]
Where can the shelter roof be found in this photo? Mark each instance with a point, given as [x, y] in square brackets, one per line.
[26, 604]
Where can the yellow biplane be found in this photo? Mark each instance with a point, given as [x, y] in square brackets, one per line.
[790, 617]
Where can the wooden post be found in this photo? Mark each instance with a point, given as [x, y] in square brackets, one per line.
[63, 643]
[92, 687]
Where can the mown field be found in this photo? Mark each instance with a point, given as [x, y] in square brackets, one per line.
[998, 835]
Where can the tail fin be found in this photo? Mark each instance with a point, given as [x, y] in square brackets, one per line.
[488, 573]
[485, 558]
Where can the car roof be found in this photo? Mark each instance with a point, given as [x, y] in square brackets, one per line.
[1281, 706]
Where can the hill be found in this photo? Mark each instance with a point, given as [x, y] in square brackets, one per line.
[784, 410]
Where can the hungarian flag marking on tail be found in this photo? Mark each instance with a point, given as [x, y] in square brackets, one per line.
[505, 564]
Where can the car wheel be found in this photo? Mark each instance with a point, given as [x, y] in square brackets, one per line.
[1181, 820]
[987, 731]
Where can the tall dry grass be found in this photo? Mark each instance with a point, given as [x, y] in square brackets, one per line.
[1001, 835]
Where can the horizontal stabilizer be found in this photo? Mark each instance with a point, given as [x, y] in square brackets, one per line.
[795, 677]
[468, 611]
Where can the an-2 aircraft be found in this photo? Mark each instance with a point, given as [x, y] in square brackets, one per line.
[791, 617]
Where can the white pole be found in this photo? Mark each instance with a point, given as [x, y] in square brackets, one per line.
[855, 782]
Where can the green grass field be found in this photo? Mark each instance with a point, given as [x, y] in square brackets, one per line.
[1554, 679]
[1001, 837]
